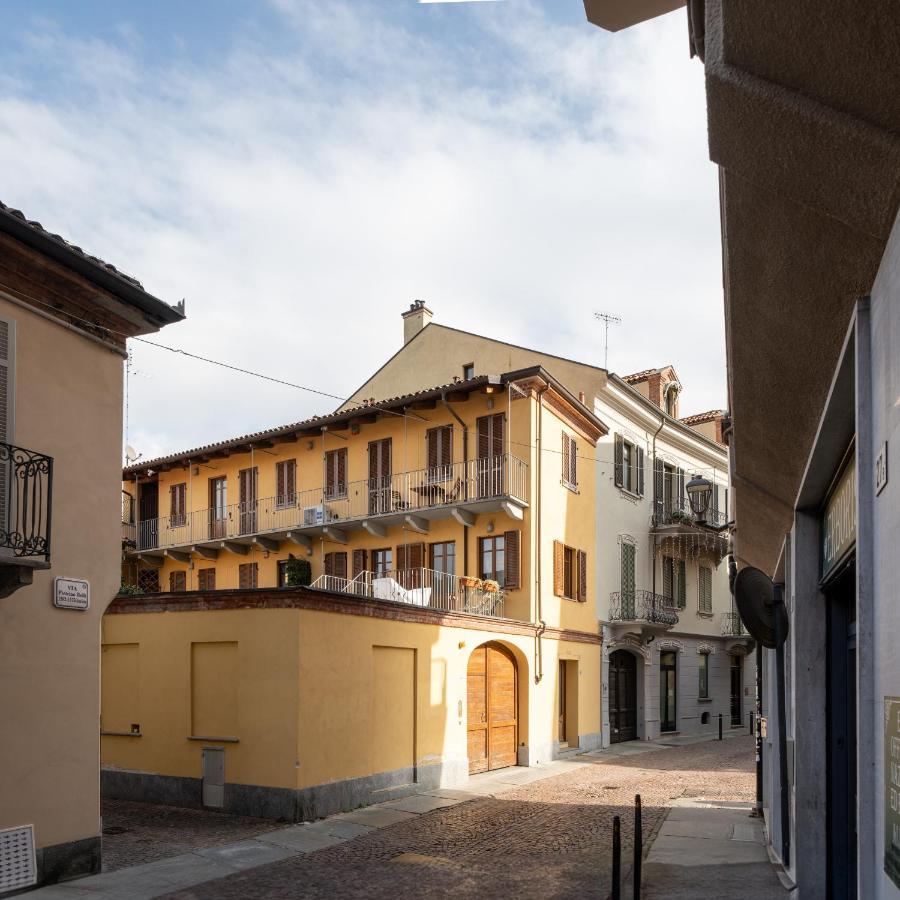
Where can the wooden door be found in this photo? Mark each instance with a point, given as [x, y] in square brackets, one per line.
[563, 725]
[492, 683]
[149, 511]
[490, 455]
[380, 476]
[218, 507]
[248, 498]
[622, 697]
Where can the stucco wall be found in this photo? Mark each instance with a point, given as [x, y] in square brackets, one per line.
[69, 405]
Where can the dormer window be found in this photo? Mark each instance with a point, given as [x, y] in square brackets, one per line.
[672, 400]
[468, 371]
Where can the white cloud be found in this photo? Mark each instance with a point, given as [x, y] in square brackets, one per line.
[301, 195]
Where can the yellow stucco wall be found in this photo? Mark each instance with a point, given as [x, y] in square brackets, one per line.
[68, 404]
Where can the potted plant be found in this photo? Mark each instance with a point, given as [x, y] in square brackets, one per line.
[490, 586]
[470, 581]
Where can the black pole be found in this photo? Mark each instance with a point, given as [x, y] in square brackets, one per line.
[778, 598]
[617, 860]
[751, 721]
[720, 726]
[638, 847]
[758, 723]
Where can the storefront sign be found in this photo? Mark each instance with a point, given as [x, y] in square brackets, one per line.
[839, 520]
[892, 789]
[71, 593]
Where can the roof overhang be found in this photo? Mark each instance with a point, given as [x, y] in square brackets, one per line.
[614, 15]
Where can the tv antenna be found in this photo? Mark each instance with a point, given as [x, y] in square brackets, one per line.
[607, 319]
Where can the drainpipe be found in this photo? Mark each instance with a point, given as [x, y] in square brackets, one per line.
[539, 614]
[662, 422]
[465, 456]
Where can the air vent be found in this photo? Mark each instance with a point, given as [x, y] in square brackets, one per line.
[17, 863]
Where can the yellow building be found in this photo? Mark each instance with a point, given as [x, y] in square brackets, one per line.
[450, 626]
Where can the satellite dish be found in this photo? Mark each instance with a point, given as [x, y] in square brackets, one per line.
[131, 454]
[754, 595]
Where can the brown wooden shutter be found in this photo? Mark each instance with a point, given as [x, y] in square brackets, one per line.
[582, 576]
[484, 442]
[639, 467]
[559, 569]
[512, 575]
[329, 564]
[573, 462]
[340, 564]
[566, 472]
[410, 556]
[342, 473]
[618, 462]
[447, 445]
[206, 579]
[431, 446]
[177, 581]
[490, 436]
[359, 562]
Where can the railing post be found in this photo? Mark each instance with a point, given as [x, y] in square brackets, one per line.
[617, 860]
[638, 847]
[720, 726]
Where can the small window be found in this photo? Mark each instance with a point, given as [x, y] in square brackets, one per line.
[282, 573]
[248, 575]
[206, 579]
[569, 462]
[492, 558]
[148, 580]
[569, 573]
[177, 581]
[703, 688]
[177, 505]
[382, 562]
[628, 466]
[443, 557]
[468, 371]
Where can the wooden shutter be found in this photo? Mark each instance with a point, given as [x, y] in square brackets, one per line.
[206, 579]
[380, 461]
[714, 505]
[639, 470]
[668, 576]
[359, 562]
[336, 472]
[618, 461]
[682, 585]
[247, 575]
[177, 581]
[581, 592]
[512, 562]
[679, 481]
[705, 589]
[411, 556]
[329, 564]
[490, 436]
[342, 474]
[286, 482]
[559, 568]
[566, 459]
[340, 564]
[659, 488]
[573, 462]
[439, 446]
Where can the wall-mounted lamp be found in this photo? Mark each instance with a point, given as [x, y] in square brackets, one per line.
[489, 528]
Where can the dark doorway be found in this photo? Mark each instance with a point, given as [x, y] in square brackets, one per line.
[622, 696]
[737, 690]
[840, 711]
[668, 691]
[149, 512]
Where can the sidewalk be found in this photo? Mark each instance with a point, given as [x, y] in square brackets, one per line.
[711, 848]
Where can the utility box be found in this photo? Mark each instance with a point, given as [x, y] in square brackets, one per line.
[213, 782]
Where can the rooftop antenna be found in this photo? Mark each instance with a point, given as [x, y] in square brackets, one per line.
[607, 319]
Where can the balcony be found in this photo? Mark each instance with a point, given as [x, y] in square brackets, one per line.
[676, 512]
[461, 491]
[26, 503]
[424, 588]
[732, 626]
[641, 612]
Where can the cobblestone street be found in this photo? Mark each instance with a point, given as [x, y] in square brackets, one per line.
[549, 838]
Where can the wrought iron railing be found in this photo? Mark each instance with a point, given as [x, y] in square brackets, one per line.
[732, 626]
[129, 529]
[421, 587]
[677, 511]
[405, 492]
[642, 606]
[26, 502]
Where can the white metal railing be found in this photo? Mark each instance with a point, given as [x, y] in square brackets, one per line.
[421, 587]
[450, 485]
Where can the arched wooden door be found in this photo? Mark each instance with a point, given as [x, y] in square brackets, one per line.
[492, 706]
[622, 697]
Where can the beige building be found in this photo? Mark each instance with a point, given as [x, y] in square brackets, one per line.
[64, 318]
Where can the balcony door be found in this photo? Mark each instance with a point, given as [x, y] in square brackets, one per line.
[248, 480]
[149, 512]
[489, 466]
[380, 493]
[628, 586]
[218, 507]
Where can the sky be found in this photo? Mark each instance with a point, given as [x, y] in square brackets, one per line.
[300, 171]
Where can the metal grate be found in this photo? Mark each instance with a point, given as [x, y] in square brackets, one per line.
[17, 863]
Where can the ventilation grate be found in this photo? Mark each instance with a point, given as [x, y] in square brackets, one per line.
[17, 864]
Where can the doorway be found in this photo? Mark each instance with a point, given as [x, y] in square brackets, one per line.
[737, 690]
[492, 715]
[148, 513]
[380, 495]
[840, 712]
[668, 691]
[622, 696]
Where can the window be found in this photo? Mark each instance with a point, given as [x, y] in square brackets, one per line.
[628, 466]
[468, 371]
[442, 557]
[628, 567]
[336, 474]
[703, 690]
[672, 400]
[206, 579]
[285, 483]
[491, 555]
[668, 578]
[148, 580]
[705, 579]
[177, 581]
[336, 564]
[177, 505]
[439, 449]
[569, 462]
[382, 562]
[281, 574]
[248, 575]
[681, 584]
[569, 572]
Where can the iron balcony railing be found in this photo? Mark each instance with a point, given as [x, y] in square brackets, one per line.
[642, 606]
[406, 492]
[732, 626]
[426, 588]
[129, 529]
[26, 502]
[677, 511]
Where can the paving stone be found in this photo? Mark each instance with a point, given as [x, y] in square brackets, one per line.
[376, 816]
[716, 830]
[246, 854]
[420, 803]
[340, 828]
[301, 839]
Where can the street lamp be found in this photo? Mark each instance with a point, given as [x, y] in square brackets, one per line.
[699, 490]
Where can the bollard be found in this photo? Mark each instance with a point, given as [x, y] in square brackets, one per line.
[617, 860]
[751, 722]
[638, 846]
[720, 726]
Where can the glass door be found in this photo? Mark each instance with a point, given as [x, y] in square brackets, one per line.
[667, 691]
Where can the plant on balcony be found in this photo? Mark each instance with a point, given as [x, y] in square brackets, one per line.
[129, 590]
[470, 582]
[298, 572]
[490, 586]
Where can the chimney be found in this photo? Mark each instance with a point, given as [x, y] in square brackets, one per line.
[415, 319]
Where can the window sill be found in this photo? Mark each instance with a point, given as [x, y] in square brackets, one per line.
[704, 615]
[704, 699]
[120, 733]
[215, 740]
[570, 487]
